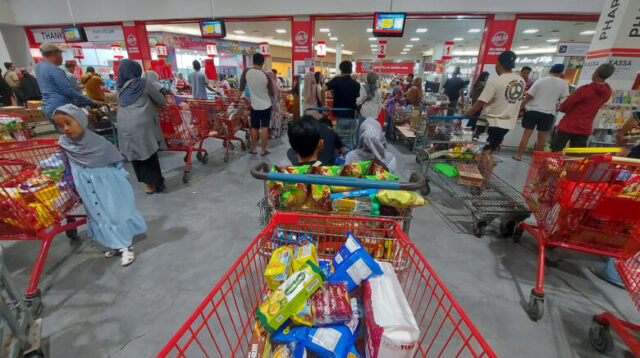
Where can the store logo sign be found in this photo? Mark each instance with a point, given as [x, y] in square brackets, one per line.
[500, 38]
[302, 38]
[132, 40]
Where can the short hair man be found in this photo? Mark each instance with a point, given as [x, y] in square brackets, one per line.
[580, 109]
[500, 101]
[306, 141]
[54, 85]
[260, 93]
[454, 89]
[199, 82]
[541, 103]
[345, 93]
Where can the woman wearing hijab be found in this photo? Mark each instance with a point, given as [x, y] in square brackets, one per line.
[29, 87]
[311, 95]
[101, 182]
[392, 102]
[139, 132]
[372, 145]
[274, 124]
[154, 78]
[414, 94]
[370, 100]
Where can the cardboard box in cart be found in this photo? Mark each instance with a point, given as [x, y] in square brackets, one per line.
[468, 174]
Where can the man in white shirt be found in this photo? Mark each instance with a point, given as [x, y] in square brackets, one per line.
[260, 93]
[500, 103]
[541, 105]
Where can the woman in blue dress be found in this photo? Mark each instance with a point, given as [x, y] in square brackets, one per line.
[96, 165]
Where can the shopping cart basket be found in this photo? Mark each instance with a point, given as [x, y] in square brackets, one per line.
[267, 209]
[490, 197]
[586, 204]
[225, 119]
[183, 130]
[345, 127]
[32, 207]
[221, 326]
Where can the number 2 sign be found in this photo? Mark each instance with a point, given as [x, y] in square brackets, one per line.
[382, 49]
[264, 49]
[447, 50]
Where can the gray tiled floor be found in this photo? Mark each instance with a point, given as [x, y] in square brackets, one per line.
[96, 308]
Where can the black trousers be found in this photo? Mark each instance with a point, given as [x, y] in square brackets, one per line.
[148, 171]
[561, 138]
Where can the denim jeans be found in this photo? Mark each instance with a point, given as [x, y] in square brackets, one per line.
[610, 273]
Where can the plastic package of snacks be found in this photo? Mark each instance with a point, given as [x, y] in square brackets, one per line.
[352, 264]
[330, 305]
[279, 267]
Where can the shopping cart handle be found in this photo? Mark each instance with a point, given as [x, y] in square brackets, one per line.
[328, 109]
[450, 117]
[261, 172]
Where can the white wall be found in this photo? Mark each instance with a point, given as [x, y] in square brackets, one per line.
[15, 40]
[56, 12]
[4, 52]
[6, 12]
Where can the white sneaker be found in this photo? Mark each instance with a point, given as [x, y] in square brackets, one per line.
[127, 256]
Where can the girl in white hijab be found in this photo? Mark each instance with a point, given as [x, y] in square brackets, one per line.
[372, 145]
[101, 182]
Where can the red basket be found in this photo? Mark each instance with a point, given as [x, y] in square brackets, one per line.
[221, 326]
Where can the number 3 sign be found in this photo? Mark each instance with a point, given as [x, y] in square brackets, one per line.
[447, 50]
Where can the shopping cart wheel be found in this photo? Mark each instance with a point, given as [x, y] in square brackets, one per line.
[34, 302]
[507, 228]
[226, 157]
[535, 308]
[478, 227]
[186, 177]
[426, 189]
[600, 337]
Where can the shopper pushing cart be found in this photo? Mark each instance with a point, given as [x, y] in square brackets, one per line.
[345, 93]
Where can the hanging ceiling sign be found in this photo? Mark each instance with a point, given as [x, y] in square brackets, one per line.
[48, 35]
[104, 33]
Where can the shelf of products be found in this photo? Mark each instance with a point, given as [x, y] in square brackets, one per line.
[613, 114]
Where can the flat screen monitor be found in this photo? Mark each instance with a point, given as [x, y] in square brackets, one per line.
[74, 34]
[213, 28]
[388, 24]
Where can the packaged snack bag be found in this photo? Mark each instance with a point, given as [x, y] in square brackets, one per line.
[258, 340]
[285, 301]
[333, 341]
[352, 264]
[291, 350]
[330, 305]
[294, 238]
[304, 253]
[400, 199]
[288, 333]
[303, 316]
[325, 266]
[356, 169]
[377, 171]
[294, 196]
[321, 195]
[279, 267]
[333, 170]
[391, 327]
[353, 353]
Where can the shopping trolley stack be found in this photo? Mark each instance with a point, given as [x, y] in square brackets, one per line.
[36, 205]
[184, 131]
[586, 204]
[345, 127]
[452, 157]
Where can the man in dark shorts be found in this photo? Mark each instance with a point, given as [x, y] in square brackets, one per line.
[260, 93]
[454, 89]
[345, 93]
[541, 103]
[500, 103]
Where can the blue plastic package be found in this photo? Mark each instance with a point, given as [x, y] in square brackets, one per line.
[288, 333]
[325, 266]
[332, 341]
[353, 264]
[294, 238]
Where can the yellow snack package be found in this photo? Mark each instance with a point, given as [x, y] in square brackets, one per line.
[304, 253]
[279, 267]
[400, 199]
[303, 315]
[287, 299]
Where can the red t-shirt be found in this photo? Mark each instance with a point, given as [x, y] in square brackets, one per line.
[582, 106]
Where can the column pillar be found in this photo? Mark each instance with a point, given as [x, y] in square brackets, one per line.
[496, 38]
[338, 56]
[616, 41]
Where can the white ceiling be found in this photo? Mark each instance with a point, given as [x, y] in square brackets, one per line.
[355, 38]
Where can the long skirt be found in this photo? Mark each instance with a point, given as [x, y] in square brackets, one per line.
[148, 171]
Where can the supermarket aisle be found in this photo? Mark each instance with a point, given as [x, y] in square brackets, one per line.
[196, 231]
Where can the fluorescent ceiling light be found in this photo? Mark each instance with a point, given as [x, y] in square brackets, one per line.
[421, 30]
[369, 30]
[281, 31]
[409, 46]
[333, 38]
[372, 38]
[530, 31]
[415, 39]
[474, 31]
[588, 32]
[524, 47]
[458, 39]
[324, 29]
[240, 32]
[553, 40]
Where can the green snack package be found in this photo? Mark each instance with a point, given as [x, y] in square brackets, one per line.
[378, 172]
[289, 297]
[356, 169]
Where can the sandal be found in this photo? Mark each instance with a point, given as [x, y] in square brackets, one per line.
[253, 153]
[515, 157]
[111, 253]
[266, 153]
[127, 256]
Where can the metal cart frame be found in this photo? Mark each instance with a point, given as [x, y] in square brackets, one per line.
[346, 133]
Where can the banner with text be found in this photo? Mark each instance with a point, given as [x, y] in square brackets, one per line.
[302, 45]
[398, 68]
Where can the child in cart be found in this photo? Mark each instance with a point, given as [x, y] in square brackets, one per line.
[100, 179]
[306, 142]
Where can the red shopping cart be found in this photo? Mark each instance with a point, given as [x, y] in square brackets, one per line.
[224, 118]
[221, 326]
[33, 206]
[586, 204]
[599, 333]
[14, 127]
[183, 130]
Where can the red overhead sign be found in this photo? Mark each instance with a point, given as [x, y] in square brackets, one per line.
[398, 68]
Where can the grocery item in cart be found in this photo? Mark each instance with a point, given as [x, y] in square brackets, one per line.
[279, 267]
[353, 264]
[400, 199]
[258, 343]
[378, 172]
[283, 302]
[330, 305]
[356, 169]
[334, 341]
[469, 174]
[392, 331]
[321, 195]
[303, 316]
[304, 253]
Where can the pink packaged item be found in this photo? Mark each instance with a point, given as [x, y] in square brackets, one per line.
[330, 304]
[391, 327]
